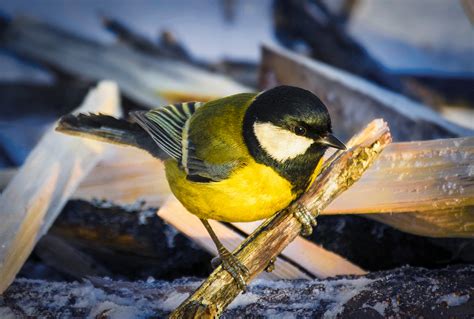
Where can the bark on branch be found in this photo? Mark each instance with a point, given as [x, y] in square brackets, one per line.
[266, 242]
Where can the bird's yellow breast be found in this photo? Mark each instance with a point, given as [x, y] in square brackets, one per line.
[251, 193]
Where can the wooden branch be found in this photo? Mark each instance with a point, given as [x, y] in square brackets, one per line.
[35, 196]
[267, 242]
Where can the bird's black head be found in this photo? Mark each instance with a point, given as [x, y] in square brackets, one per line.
[289, 129]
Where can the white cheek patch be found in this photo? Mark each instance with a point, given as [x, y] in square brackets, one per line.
[279, 143]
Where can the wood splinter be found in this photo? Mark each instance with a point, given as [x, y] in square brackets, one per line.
[341, 171]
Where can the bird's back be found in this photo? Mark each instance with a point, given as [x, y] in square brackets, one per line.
[216, 129]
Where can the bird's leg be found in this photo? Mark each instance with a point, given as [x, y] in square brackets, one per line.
[306, 219]
[229, 262]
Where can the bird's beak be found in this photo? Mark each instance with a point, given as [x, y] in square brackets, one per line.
[332, 141]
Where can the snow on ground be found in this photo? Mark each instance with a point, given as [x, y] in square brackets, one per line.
[404, 292]
[453, 300]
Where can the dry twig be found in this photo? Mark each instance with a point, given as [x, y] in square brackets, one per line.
[266, 243]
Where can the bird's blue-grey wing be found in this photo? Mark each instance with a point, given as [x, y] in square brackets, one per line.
[168, 126]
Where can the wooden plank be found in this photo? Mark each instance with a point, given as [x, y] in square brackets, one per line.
[414, 177]
[126, 176]
[36, 194]
[144, 78]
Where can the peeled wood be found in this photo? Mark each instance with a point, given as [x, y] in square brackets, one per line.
[51, 173]
[268, 241]
[416, 177]
[437, 223]
[428, 186]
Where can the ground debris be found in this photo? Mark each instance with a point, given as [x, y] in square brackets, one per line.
[401, 293]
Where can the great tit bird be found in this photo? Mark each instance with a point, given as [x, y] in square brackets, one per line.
[236, 159]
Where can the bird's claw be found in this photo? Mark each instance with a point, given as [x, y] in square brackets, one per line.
[233, 266]
[271, 265]
[306, 220]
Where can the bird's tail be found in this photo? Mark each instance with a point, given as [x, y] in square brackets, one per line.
[108, 129]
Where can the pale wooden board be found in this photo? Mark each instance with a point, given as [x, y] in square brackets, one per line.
[51, 173]
[126, 176]
[414, 177]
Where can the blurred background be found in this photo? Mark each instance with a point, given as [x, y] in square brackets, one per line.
[364, 58]
[426, 43]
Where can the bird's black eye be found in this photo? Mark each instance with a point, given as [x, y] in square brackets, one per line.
[299, 130]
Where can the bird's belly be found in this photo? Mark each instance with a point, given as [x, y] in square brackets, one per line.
[251, 193]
